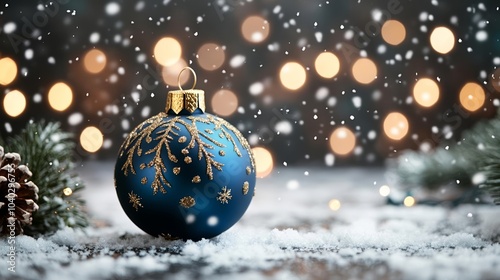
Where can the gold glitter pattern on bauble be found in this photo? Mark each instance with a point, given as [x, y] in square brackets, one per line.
[249, 170]
[144, 180]
[135, 200]
[245, 188]
[182, 139]
[196, 179]
[187, 202]
[176, 170]
[188, 160]
[222, 153]
[224, 195]
[164, 129]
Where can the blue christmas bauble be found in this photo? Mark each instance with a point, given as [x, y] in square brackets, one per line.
[184, 173]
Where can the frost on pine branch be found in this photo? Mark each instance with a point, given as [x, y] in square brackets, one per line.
[492, 172]
[477, 152]
[48, 152]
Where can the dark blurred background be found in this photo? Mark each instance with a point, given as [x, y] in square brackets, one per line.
[49, 41]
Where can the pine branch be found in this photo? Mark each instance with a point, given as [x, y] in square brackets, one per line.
[48, 152]
[477, 151]
[492, 172]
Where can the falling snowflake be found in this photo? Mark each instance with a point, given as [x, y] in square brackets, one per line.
[224, 195]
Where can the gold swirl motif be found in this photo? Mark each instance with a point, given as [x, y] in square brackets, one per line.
[164, 129]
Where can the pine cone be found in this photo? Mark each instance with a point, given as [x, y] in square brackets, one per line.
[17, 196]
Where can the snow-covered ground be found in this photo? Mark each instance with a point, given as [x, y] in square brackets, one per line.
[289, 232]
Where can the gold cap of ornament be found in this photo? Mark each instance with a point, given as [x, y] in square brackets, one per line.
[189, 99]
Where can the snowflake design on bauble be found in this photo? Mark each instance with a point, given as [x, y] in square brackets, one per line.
[224, 195]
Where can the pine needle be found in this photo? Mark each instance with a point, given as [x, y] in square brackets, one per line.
[48, 152]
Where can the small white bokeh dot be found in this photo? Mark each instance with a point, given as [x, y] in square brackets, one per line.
[212, 221]
[191, 219]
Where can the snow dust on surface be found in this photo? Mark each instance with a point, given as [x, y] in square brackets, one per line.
[289, 232]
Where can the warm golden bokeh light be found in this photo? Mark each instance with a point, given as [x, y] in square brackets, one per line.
[171, 73]
[442, 39]
[396, 126]
[224, 102]
[211, 56]
[8, 71]
[292, 75]
[384, 190]
[409, 201]
[327, 65]
[67, 191]
[472, 96]
[426, 92]
[255, 29]
[94, 61]
[91, 139]
[60, 96]
[393, 32]
[334, 204]
[14, 103]
[167, 51]
[342, 141]
[263, 161]
[364, 70]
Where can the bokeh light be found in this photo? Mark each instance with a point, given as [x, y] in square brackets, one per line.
[8, 70]
[94, 61]
[67, 191]
[393, 32]
[211, 56]
[384, 190]
[409, 201]
[426, 92]
[442, 39]
[364, 70]
[342, 141]
[224, 102]
[334, 204]
[292, 75]
[255, 29]
[472, 96]
[396, 126]
[167, 51]
[264, 161]
[60, 96]
[171, 73]
[14, 103]
[91, 139]
[327, 65]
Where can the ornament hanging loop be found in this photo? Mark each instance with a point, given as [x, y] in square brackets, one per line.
[180, 74]
[189, 100]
